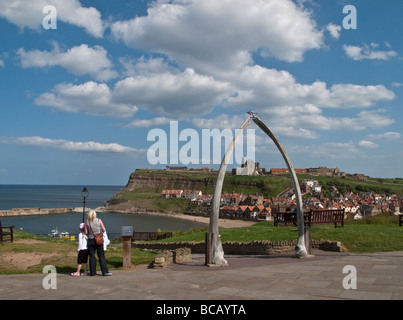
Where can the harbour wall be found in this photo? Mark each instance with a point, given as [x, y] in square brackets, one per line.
[16, 212]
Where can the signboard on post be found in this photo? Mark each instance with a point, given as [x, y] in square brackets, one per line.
[127, 231]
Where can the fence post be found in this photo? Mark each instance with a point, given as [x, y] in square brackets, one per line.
[127, 251]
[127, 233]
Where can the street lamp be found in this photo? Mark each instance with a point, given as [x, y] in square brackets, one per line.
[84, 194]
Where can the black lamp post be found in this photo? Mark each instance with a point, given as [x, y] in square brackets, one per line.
[84, 194]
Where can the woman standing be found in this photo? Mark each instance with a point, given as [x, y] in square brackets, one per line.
[92, 227]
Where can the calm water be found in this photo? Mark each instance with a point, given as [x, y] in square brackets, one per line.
[14, 196]
[21, 196]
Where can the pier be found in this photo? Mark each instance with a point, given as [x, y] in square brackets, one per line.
[17, 212]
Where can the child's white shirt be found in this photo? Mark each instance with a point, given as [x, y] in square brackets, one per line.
[82, 241]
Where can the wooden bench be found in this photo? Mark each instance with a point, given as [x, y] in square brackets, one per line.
[6, 233]
[285, 219]
[311, 217]
[324, 217]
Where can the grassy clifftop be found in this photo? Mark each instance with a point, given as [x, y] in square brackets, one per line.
[158, 180]
[143, 191]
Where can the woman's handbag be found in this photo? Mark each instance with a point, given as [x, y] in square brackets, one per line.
[99, 237]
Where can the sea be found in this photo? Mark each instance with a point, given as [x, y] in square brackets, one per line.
[41, 196]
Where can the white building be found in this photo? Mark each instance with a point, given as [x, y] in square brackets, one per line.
[248, 168]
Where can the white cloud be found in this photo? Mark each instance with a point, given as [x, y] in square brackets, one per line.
[143, 66]
[268, 89]
[223, 121]
[367, 144]
[210, 34]
[366, 52]
[330, 150]
[387, 136]
[148, 123]
[78, 60]
[183, 94]
[334, 30]
[1, 63]
[66, 145]
[365, 120]
[29, 14]
[89, 98]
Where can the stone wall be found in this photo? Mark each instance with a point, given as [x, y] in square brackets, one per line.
[242, 248]
[181, 255]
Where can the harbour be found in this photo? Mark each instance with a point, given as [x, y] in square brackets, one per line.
[40, 209]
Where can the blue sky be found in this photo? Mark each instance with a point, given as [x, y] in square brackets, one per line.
[78, 102]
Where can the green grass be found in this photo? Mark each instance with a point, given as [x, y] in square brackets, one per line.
[375, 234]
[152, 200]
[60, 253]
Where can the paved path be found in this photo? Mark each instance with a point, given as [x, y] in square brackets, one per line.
[379, 276]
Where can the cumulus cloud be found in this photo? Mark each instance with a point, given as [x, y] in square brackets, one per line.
[183, 94]
[143, 66]
[170, 94]
[223, 121]
[367, 144]
[387, 136]
[210, 34]
[368, 52]
[89, 98]
[365, 120]
[78, 60]
[66, 145]
[334, 30]
[266, 89]
[29, 14]
[330, 150]
[206, 62]
[299, 124]
[148, 123]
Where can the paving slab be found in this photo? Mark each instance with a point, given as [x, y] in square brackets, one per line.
[379, 277]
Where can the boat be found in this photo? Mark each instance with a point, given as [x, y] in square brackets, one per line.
[61, 235]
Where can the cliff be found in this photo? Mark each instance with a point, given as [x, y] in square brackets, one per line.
[158, 180]
[143, 190]
[142, 193]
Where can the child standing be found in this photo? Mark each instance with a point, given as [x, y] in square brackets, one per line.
[82, 257]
